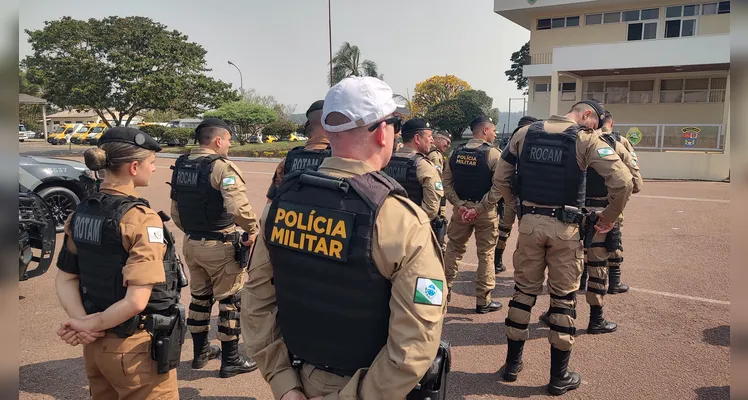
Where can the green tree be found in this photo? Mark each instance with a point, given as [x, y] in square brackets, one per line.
[453, 116]
[120, 66]
[434, 90]
[281, 129]
[519, 59]
[163, 116]
[248, 118]
[482, 100]
[29, 114]
[347, 62]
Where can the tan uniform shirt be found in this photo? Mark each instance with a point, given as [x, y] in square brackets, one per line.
[630, 162]
[592, 152]
[491, 198]
[145, 247]
[437, 158]
[226, 177]
[626, 144]
[402, 254]
[311, 144]
[430, 180]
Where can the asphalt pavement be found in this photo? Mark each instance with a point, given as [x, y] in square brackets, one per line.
[673, 338]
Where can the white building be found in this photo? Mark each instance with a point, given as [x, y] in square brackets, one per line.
[661, 67]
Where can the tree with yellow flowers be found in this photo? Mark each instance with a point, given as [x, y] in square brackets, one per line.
[436, 89]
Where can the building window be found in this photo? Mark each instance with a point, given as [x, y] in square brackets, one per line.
[609, 18]
[541, 91]
[552, 23]
[709, 9]
[629, 16]
[568, 91]
[696, 90]
[652, 13]
[621, 92]
[593, 19]
[680, 21]
[642, 31]
[724, 7]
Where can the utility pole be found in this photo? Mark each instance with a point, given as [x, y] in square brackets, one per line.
[329, 35]
[241, 79]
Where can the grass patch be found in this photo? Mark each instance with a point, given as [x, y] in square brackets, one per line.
[270, 150]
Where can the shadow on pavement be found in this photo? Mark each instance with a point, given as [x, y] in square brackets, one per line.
[186, 393]
[492, 333]
[463, 384]
[718, 336]
[44, 378]
[713, 392]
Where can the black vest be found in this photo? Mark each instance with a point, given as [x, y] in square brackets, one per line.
[470, 173]
[200, 206]
[548, 168]
[95, 229]
[333, 304]
[596, 183]
[403, 169]
[300, 158]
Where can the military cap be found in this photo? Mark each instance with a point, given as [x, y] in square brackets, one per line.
[316, 106]
[444, 134]
[127, 135]
[478, 120]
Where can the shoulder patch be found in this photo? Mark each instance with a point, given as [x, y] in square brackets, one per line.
[438, 185]
[633, 154]
[633, 161]
[228, 181]
[438, 167]
[605, 151]
[155, 234]
[429, 291]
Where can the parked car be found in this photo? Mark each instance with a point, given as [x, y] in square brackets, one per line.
[24, 133]
[62, 184]
[64, 136]
[80, 134]
[36, 230]
[95, 133]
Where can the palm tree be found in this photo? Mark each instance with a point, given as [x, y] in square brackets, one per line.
[347, 62]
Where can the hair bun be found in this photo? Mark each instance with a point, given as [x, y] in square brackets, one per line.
[95, 159]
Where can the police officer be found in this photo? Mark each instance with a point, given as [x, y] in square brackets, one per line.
[616, 258]
[472, 187]
[118, 270]
[316, 149]
[417, 174]
[436, 154]
[604, 246]
[208, 201]
[544, 166]
[346, 277]
[505, 227]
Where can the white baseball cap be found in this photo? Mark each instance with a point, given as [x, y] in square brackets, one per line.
[364, 100]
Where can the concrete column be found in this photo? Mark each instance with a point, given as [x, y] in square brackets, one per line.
[726, 116]
[554, 93]
[580, 89]
[44, 120]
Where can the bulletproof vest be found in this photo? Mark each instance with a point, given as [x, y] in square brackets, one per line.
[470, 172]
[333, 304]
[403, 169]
[595, 183]
[95, 229]
[548, 169]
[200, 206]
[300, 158]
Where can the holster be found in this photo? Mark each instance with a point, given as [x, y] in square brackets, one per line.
[168, 333]
[433, 385]
[241, 252]
[439, 226]
[587, 228]
[129, 327]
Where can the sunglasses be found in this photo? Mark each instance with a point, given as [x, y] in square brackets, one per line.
[397, 123]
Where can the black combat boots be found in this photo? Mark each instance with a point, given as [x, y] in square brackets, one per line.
[513, 364]
[614, 281]
[498, 264]
[490, 307]
[598, 324]
[561, 379]
[203, 351]
[583, 282]
[233, 362]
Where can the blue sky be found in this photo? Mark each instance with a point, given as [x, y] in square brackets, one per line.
[281, 46]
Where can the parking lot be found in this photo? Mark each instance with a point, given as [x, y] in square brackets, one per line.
[672, 341]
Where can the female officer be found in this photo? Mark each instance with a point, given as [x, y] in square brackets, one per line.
[116, 273]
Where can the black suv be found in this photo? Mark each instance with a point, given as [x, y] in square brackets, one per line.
[61, 183]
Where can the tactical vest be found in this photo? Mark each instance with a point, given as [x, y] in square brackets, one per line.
[596, 183]
[95, 229]
[333, 304]
[403, 169]
[300, 158]
[200, 206]
[471, 175]
[548, 168]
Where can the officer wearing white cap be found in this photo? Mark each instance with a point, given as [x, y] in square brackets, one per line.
[346, 276]
[471, 187]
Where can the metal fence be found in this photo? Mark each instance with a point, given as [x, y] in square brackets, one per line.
[678, 137]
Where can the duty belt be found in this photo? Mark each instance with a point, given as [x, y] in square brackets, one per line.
[596, 202]
[232, 237]
[340, 372]
[552, 212]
